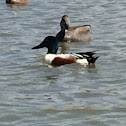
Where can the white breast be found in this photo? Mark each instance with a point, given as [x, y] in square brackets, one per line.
[49, 58]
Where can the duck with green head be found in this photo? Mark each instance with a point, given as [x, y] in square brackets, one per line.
[54, 59]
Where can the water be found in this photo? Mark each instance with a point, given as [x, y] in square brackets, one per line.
[31, 94]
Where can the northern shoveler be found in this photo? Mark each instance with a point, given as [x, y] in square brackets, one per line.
[17, 1]
[75, 33]
[51, 58]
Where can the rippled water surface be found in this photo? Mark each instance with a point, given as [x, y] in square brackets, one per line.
[31, 94]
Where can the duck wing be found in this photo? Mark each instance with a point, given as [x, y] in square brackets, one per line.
[78, 29]
[89, 54]
[86, 55]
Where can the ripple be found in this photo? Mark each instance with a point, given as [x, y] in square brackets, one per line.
[85, 110]
[33, 94]
[9, 118]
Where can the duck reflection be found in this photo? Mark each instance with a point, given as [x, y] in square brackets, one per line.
[65, 47]
[51, 79]
[15, 6]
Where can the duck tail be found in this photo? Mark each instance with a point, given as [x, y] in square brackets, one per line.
[92, 60]
[90, 54]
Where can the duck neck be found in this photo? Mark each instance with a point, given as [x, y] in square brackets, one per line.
[53, 48]
[60, 35]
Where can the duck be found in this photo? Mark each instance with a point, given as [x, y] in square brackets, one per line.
[55, 60]
[17, 1]
[75, 33]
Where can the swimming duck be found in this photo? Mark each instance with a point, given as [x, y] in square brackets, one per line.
[17, 1]
[51, 58]
[75, 33]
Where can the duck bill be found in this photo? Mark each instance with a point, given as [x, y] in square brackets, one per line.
[67, 24]
[38, 46]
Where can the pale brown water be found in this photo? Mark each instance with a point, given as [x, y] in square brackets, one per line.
[31, 94]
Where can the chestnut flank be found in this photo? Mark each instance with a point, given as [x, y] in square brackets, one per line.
[62, 61]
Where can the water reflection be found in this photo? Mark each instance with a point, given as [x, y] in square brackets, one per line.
[70, 110]
[51, 79]
[95, 121]
[65, 47]
[16, 5]
[92, 68]
[70, 94]
[75, 109]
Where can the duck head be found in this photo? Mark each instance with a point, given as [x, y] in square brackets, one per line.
[50, 42]
[65, 22]
[8, 1]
